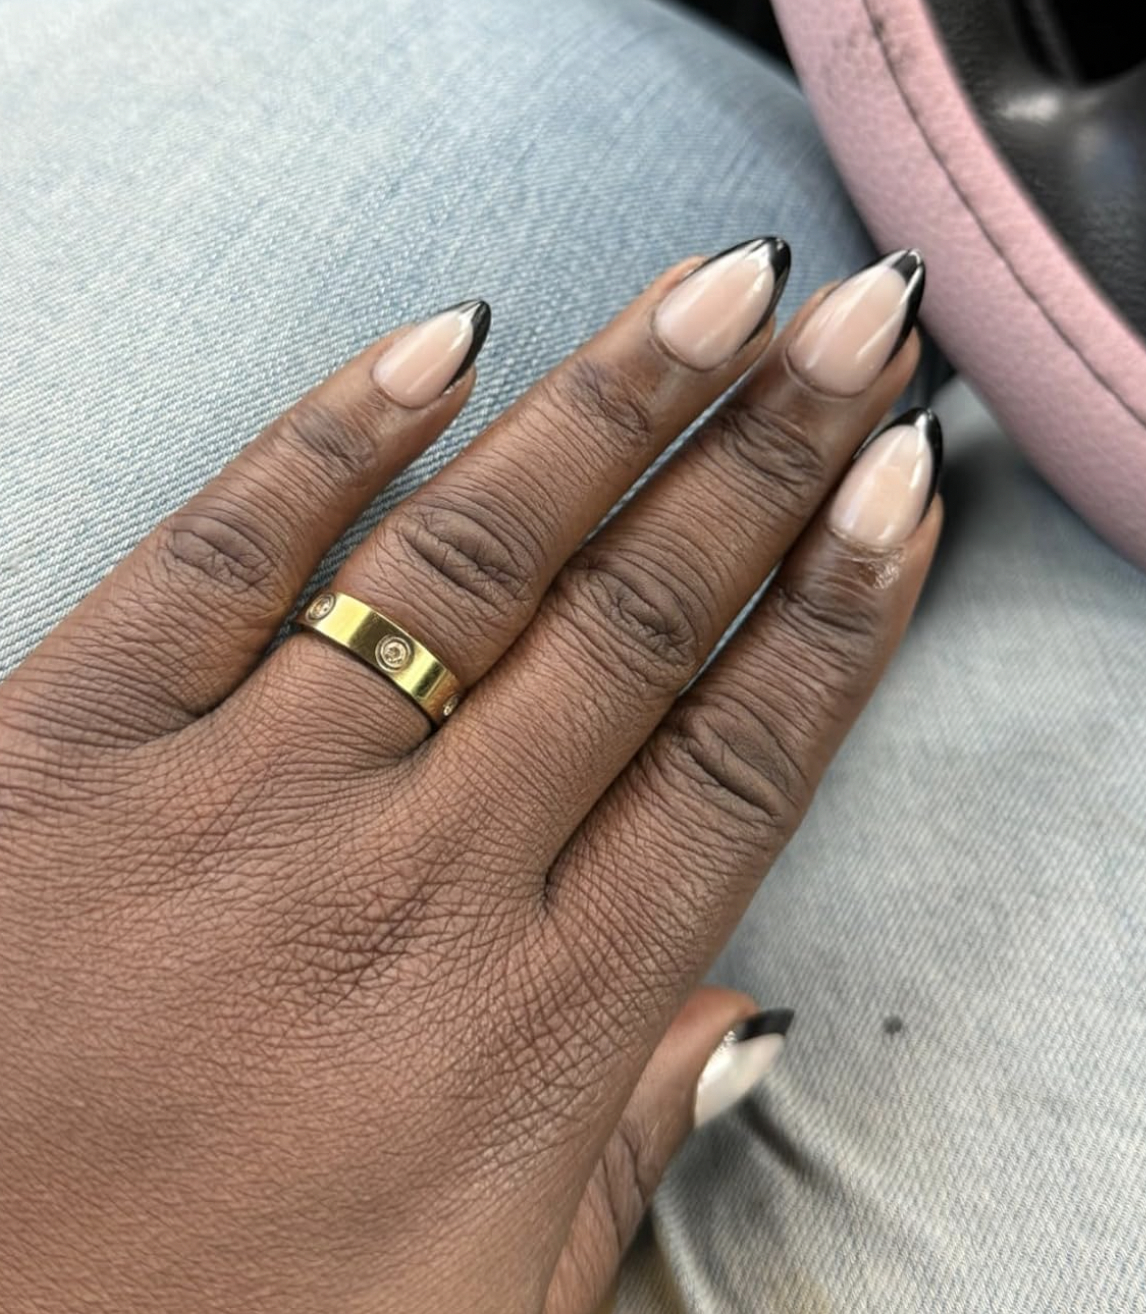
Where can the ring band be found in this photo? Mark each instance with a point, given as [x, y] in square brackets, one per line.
[387, 648]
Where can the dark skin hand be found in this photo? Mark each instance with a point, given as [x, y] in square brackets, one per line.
[304, 1007]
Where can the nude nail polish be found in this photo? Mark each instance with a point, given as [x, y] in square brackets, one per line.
[745, 1054]
[856, 330]
[890, 485]
[433, 355]
[712, 313]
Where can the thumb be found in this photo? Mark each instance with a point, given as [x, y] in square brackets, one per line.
[719, 1045]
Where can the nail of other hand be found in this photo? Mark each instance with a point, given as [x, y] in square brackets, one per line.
[742, 1058]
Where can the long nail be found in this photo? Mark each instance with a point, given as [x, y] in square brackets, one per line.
[857, 329]
[890, 485]
[433, 355]
[708, 317]
[745, 1054]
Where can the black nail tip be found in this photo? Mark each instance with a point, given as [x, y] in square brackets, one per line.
[480, 316]
[779, 256]
[925, 422]
[752, 244]
[910, 266]
[908, 263]
[778, 251]
[772, 1022]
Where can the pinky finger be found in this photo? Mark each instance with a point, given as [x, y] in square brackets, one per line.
[687, 833]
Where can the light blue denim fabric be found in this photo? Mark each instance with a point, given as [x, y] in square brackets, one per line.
[205, 207]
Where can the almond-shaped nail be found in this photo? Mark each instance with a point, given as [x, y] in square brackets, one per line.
[745, 1054]
[856, 330]
[712, 313]
[433, 355]
[890, 485]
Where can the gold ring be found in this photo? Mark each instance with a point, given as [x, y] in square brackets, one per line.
[387, 648]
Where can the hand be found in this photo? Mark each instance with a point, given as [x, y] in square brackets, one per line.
[305, 1008]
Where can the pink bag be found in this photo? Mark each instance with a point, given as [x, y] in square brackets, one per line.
[1027, 195]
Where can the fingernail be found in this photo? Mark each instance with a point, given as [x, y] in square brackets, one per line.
[857, 329]
[712, 313]
[745, 1054]
[890, 485]
[433, 355]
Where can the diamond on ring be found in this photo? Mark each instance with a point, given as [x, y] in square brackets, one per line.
[450, 704]
[393, 653]
[322, 606]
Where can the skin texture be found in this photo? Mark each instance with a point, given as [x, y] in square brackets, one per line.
[307, 1009]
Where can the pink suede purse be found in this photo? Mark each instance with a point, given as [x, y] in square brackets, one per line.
[1025, 193]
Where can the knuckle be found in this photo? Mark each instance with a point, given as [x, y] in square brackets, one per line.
[838, 629]
[738, 763]
[468, 547]
[786, 465]
[619, 596]
[587, 398]
[217, 544]
[341, 442]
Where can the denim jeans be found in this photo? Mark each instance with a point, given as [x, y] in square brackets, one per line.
[205, 207]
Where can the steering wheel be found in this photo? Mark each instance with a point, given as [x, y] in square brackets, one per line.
[968, 128]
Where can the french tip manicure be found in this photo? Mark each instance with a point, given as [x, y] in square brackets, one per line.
[889, 488]
[907, 261]
[775, 247]
[745, 1055]
[779, 256]
[478, 311]
[722, 304]
[479, 314]
[911, 267]
[909, 264]
[775, 251]
[926, 423]
[772, 1022]
[430, 357]
[780, 253]
[861, 325]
